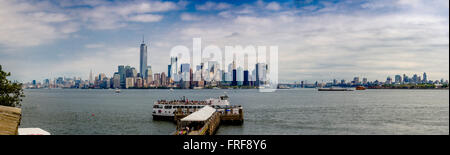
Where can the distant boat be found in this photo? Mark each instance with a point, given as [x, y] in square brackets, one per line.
[117, 90]
[334, 89]
[171, 89]
[360, 88]
[216, 88]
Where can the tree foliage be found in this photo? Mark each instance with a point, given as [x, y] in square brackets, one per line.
[11, 93]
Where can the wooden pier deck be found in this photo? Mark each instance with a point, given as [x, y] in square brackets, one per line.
[225, 117]
[193, 125]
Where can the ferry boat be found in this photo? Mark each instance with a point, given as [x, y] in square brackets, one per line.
[360, 88]
[166, 110]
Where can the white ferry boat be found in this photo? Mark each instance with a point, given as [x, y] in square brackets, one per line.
[165, 110]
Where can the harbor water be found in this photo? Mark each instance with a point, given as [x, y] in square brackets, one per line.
[286, 111]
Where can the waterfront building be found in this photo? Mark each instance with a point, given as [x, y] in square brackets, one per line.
[169, 71]
[128, 72]
[106, 83]
[240, 76]
[415, 78]
[143, 58]
[356, 81]
[173, 67]
[157, 79]
[134, 72]
[129, 82]
[90, 77]
[260, 73]
[139, 82]
[121, 71]
[365, 81]
[163, 79]
[405, 78]
[116, 80]
[388, 80]
[425, 78]
[185, 68]
[257, 73]
[185, 72]
[148, 75]
[246, 83]
[398, 79]
[191, 76]
[101, 76]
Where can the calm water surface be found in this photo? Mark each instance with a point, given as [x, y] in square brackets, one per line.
[291, 111]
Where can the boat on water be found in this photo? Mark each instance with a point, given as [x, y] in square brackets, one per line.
[166, 110]
[117, 90]
[360, 88]
[334, 89]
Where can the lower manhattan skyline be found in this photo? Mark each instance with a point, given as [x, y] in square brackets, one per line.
[330, 39]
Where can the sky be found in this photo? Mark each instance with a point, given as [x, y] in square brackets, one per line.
[316, 39]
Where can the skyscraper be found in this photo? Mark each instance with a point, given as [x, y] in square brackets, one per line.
[143, 58]
[234, 76]
[425, 78]
[261, 73]
[121, 71]
[415, 78]
[356, 80]
[116, 80]
[148, 74]
[173, 67]
[398, 79]
[90, 77]
[388, 80]
[246, 83]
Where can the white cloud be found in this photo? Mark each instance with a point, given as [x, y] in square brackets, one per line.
[146, 18]
[213, 6]
[359, 44]
[26, 24]
[189, 17]
[116, 15]
[273, 6]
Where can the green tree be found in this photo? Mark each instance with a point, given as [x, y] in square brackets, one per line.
[11, 94]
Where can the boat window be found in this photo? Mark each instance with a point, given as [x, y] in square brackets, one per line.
[168, 107]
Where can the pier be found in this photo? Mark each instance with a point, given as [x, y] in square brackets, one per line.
[228, 114]
[206, 120]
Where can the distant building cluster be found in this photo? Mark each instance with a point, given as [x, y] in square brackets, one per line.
[397, 80]
[206, 75]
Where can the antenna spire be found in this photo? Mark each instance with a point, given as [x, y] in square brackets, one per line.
[143, 39]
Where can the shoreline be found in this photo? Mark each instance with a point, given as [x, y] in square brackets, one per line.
[230, 88]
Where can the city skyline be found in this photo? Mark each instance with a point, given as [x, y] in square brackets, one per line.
[377, 39]
[207, 74]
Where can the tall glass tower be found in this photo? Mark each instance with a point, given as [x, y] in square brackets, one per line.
[143, 58]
